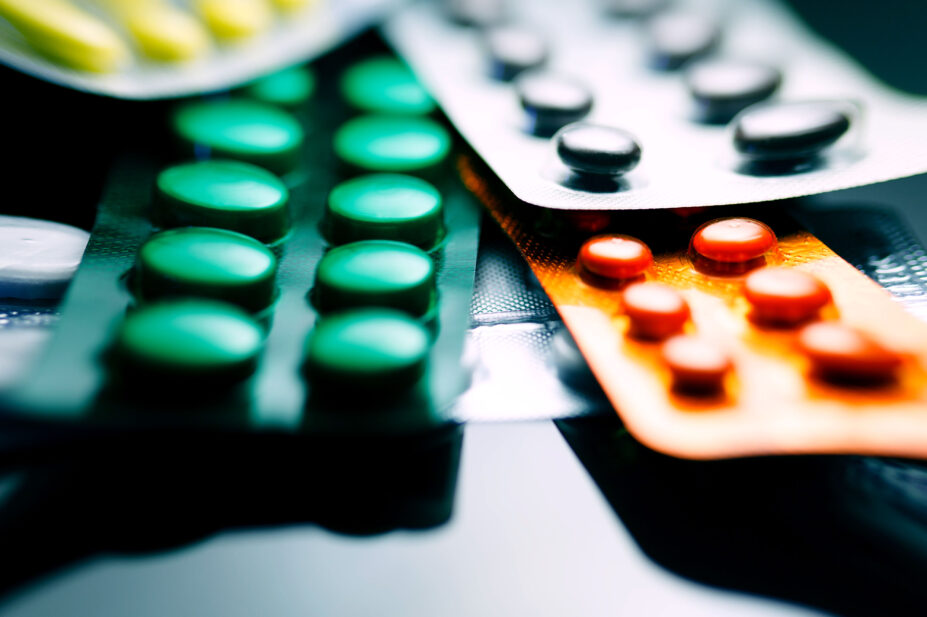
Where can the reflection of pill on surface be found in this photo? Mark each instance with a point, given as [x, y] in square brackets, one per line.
[200, 342]
[786, 131]
[242, 130]
[235, 19]
[597, 150]
[226, 194]
[695, 363]
[733, 240]
[66, 34]
[38, 257]
[366, 351]
[552, 101]
[615, 256]
[656, 311]
[385, 207]
[723, 88]
[840, 352]
[375, 273]
[785, 296]
[204, 262]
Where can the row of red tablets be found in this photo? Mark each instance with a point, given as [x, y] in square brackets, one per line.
[780, 297]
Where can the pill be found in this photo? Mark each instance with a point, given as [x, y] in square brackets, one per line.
[205, 262]
[366, 351]
[634, 9]
[733, 240]
[785, 296]
[225, 194]
[38, 258]
[723, 88]
[597, 150]
[552, 101]
[161, 30]
[241, 129]
[696, 364]
[656, 311]
[202, 343]
[680, 37]
[289, 6]
[383, 84]
[615, 256]
[839, 352]
[235, 19]
[288, 88]
[385, 207]
[375, 273]
[402, 144]
[476, 13]
[788, 131]
[66, 34]
[513, 50]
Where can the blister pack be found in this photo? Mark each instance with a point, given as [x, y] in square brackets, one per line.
[732, 336]
[617, 105]
[331, 296]
[152, 49]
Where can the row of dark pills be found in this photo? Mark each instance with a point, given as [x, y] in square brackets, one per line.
[206, 281]
[780, 297]
[771, 137]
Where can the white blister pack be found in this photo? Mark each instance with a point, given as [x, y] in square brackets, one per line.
[684, 161]
[154, 49]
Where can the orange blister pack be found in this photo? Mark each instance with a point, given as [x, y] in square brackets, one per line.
[835, 371]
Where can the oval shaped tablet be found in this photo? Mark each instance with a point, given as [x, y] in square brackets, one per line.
[680, 37]
[552, 101]
[656, 311]
[38, 258]
[724, 88]
[403, 144]
[375, 273]
[383, 84]
[366, 351]
[785, 296]
[787, 131]
[634, 9]
[225, 194]
[839, 352]
[513, 50]
[288, 88]
[733, 240]
[696, 364]
[235, 19]
[162, 31]
[385, 207]
[204, 262]
[200, 342]
[615, 256]
[242, 130]
[598, 150]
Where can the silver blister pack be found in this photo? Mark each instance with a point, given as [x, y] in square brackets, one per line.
[684, 163]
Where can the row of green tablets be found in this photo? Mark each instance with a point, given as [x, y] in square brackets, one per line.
[206, 283]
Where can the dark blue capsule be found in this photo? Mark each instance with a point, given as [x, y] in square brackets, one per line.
[552, 101]
[789, 131]
[679, 38]
[514, 50]
[597, 150]
[723, 88]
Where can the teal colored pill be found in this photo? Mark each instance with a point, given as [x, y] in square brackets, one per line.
[401, 144]
[205, 262]
[366, 351]
[375, 273]
[387, 207]
[243, 130]
[225, 194]
[288, 88]
[383, 84]
[196, 341]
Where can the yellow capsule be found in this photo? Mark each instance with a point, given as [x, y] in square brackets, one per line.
[161, 30]
[291, 6]
[235, 19]
[66, 34]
